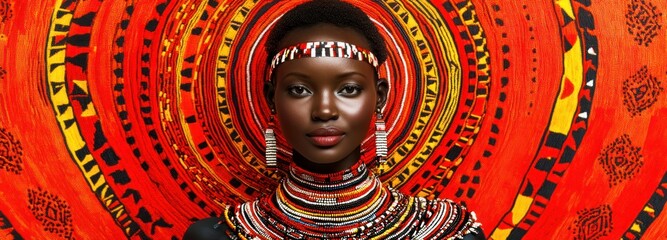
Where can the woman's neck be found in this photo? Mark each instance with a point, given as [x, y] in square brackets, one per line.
[348, 177]
[339, 193]
[345, 163]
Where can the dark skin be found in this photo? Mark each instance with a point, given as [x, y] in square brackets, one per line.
[325, 105]
[312, 94]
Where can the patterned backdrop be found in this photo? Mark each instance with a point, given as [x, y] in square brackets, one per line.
[133, 118]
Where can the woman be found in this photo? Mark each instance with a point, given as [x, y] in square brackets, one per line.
[324, 91]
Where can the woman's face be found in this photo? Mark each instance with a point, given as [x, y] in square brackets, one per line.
[325, 105]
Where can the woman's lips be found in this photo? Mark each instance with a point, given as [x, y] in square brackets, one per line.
[326, 137]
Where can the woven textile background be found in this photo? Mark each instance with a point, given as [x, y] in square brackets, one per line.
[133, 118]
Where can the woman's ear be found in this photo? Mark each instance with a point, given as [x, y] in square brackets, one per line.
[382, 88]
[269, 94]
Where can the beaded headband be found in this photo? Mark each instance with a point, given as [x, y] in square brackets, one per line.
[324, 49]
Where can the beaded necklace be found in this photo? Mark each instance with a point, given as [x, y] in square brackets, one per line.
[350, 204]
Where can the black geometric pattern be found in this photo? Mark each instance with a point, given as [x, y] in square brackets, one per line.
[11, 153]
[643, 20]
[620, 160]
[53, 212]
[593, 223]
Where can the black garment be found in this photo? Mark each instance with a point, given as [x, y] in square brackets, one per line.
[207, 229]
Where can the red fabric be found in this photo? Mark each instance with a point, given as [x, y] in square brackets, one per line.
[132, 119]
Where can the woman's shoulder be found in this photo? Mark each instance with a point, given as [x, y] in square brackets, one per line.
[207, 229]
[436, 205]
[452, 215]
[215, 227]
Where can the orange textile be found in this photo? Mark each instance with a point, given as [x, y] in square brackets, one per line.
[132, 119]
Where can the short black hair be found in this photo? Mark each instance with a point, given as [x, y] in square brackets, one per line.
[335, 12]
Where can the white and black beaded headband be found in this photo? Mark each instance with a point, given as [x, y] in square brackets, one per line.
[324, 49]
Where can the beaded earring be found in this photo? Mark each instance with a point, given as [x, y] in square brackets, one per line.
[270, 156]
[380, 139]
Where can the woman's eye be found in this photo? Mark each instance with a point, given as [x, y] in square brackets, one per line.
[298, 91]
[350, 90]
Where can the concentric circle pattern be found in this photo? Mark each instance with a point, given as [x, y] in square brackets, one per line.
[132, 119]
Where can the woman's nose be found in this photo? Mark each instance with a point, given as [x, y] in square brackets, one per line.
[324, 107]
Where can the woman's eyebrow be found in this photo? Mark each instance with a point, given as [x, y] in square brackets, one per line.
[296, 74]
[349, 74]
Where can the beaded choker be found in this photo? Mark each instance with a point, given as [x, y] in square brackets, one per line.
[301, 174]
[324, 49]
[350, 204]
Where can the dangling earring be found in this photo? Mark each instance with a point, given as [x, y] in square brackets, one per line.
[270, 156]
[380, 139]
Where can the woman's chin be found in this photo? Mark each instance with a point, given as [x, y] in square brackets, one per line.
[324, 159]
